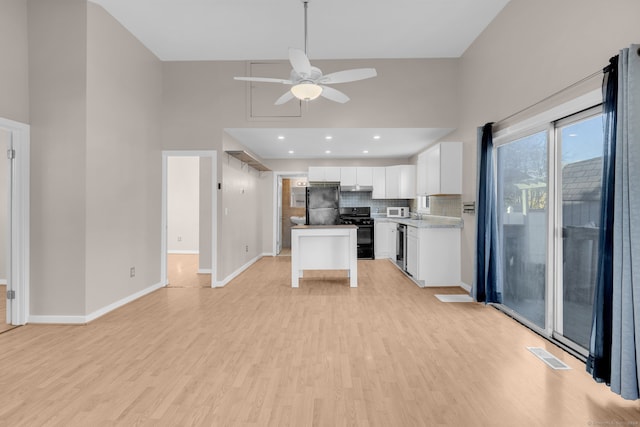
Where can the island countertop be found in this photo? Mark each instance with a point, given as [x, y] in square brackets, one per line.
[310, 227]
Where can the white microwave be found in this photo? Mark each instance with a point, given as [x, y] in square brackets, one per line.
[402, 212]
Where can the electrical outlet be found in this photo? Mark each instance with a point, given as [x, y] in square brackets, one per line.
[132, 272]
[179, 238]
[246, 248]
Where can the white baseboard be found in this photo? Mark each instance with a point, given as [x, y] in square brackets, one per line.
[183, 252]
[104, 310]
[81, 320]
[205, 271]
[465, 287]
[58, 320]
[221, 283]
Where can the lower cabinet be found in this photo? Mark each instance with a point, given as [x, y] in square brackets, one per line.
[385, 239]
[412, 251]
[433, 256]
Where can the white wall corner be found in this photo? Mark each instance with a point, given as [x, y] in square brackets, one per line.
[223, 282]
[466, 287]
[104, 310]
[81, 320]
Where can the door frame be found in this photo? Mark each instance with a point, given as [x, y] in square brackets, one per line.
[213, 154]
[18, 265]
[277, 206]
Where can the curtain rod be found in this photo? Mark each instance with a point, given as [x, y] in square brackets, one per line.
[571, 86]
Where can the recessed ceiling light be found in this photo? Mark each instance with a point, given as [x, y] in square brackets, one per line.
[281, 137]
[573, 135]
[365, 151]
[328, 137]
[327, 152]
[291, 151]
[376, 136]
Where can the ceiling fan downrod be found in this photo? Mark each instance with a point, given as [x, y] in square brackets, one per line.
[306, 35]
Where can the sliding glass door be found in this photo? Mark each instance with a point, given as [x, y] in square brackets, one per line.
[580, 147]
[522, 224]
[548, 190]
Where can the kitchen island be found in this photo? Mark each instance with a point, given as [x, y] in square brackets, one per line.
[324, 247]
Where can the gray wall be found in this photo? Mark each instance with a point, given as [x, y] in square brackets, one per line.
[95, 96]
[124, 163]
[14, 65]
[530, 51]
[58, 111]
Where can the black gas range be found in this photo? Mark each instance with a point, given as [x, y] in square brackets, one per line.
[361, 217]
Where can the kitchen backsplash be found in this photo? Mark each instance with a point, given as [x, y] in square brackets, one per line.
[352, 199]
[439, 205]
[446, 206]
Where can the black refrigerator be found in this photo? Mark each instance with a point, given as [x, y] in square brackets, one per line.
[323, 205]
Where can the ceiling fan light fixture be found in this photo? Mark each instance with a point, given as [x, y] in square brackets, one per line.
[306, 91]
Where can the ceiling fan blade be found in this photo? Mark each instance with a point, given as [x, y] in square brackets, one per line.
[349, 76]
[288, 96]
[299, 62]
[333, 94]
[264, 80]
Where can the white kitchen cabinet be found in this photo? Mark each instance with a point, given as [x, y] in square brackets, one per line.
[401, 182]
[324, 174]
[348, 176]
[392, 233]
[356, 176]
[379, 177]
[385, 239]
[440, 169]
[412, 251]
[381, 239]
[364, 176]
[433, 258]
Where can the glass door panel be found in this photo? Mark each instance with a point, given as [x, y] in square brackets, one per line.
[581, 147]
[522, 224]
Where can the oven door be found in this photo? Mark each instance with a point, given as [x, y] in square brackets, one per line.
[365, 242]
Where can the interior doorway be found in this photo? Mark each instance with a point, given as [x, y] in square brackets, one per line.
[189, 218]
[291, 208]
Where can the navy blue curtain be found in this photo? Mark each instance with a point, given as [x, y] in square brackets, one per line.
[599, 360]
[487, 285]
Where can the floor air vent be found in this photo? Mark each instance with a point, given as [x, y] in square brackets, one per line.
[548, 358]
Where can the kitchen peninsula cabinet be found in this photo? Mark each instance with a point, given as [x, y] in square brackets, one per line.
[433, 248]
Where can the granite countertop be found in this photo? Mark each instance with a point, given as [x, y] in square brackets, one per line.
[428, 221]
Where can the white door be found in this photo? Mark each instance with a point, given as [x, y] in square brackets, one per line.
[14, 139]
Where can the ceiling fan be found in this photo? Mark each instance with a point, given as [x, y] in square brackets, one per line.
[308, 82]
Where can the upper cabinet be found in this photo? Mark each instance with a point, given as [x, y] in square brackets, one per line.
[400, 182]
[324, 174]
[356, 176]
[391, 182]
[439, 170]
[379, 183]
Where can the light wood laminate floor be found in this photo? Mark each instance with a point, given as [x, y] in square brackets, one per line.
[259, 353]
[182, 272]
